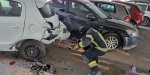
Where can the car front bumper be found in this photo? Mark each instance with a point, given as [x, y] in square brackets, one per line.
[130, 42]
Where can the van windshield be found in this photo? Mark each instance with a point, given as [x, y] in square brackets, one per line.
[139, 8]
[143, 7]
[98, 11]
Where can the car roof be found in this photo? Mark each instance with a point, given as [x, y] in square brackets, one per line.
[40, 3]
[82, 1]
[141, 1]
[107, 2]
[125, 2]
[44, 1]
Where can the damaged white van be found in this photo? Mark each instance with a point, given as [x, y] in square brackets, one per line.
[26, 25]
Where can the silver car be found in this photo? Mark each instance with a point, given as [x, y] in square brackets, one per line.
[116, 10]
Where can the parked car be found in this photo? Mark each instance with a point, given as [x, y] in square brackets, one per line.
[26, 25]
[117, 33]
[117, 10]
[135, 11]
[145, 6]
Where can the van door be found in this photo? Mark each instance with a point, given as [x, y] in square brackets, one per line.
[11, 23]
[147, 12]
[79, 14]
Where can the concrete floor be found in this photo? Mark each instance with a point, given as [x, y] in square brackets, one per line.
[68, 62]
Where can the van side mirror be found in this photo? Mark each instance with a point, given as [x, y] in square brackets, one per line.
[90, 17]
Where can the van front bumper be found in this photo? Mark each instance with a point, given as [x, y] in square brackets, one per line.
[130, 42]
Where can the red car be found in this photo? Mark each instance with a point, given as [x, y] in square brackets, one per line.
[135, 11]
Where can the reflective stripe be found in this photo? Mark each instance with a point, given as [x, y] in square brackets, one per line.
[100, 36]
[77, 46]
[92, 63]
[90, 36]
[97, 46]
[103, 49]
[81, 45]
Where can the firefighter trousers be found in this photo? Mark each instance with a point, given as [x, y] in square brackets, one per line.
[90, 55]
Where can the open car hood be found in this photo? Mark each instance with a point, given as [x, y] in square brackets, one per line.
[54, 20]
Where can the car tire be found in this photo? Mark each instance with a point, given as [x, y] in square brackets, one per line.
[31, 50]
[112, 40]
[146, 21]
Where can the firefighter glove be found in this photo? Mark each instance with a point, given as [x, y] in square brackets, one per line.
[77, 47]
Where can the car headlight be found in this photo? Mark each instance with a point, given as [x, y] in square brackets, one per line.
[132, 33]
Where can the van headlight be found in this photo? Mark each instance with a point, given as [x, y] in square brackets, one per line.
[132, 33]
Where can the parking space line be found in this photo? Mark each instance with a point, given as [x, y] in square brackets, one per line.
[123, 52]
[146, 59]
[143, 27]
[142, 38]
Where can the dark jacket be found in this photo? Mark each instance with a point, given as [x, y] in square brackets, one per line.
[94, 38]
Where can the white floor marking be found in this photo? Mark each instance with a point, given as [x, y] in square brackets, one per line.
[146, 59]
[143, 27]
[123, 52]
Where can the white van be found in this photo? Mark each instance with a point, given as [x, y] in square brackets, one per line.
[145, 6]
[26, 25]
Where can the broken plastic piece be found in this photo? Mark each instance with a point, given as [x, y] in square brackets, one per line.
[38, 66]
[12, 63]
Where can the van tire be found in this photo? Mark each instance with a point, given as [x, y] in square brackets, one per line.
[146, 21]
[116, 39]
[31, 50]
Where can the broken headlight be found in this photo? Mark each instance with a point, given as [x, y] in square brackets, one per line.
[132, 33]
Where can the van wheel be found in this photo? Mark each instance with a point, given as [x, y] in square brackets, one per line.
[112, 40]
[31, 50]
[146, 21]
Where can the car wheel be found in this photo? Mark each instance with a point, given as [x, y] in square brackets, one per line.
[112, 40]
[146, 21]
[31, 50]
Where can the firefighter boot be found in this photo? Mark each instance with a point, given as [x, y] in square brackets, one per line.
[94, 68]
[95, 73]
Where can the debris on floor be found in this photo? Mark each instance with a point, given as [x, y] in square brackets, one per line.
[39, 67]
[12, 63]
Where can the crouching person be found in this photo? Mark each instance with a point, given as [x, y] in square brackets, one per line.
[94, 45]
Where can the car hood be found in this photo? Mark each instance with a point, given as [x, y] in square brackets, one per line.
[54, 20]
[121, 23]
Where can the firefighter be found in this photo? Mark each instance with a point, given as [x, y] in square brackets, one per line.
[94, 45]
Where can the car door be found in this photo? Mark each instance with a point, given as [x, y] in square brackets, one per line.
[78, 13]
[11, 23]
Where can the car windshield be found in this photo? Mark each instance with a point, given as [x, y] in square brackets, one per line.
[98, 11]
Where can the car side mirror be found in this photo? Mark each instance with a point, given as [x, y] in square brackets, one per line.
[91, 17]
